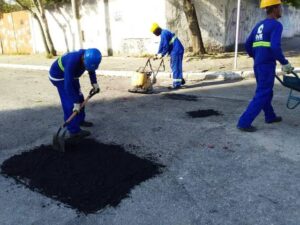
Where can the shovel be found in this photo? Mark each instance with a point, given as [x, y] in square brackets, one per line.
[59, 138]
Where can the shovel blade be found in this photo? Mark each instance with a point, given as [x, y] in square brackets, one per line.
[58, 141]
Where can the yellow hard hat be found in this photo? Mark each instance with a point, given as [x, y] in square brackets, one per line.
[154, 27]
[267, 3]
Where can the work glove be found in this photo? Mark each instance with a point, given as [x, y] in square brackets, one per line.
[96, 88]
[157, 56]
[287, 68]
[76, 107]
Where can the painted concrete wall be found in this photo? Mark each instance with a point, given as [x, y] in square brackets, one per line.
[250, 15]
[217, 19]
[130, 23]
[123, 26]
[15, 35]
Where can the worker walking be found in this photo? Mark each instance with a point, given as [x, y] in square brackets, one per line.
[171, 45]
[264, 46]
[64, 75]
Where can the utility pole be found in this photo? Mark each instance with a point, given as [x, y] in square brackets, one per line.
[76, 15]
[237, 34]
[15, 36]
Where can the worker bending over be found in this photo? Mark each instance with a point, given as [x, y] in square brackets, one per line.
[264, 46]
[171, 45]
[64, 75]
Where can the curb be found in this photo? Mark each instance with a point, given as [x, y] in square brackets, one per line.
[213, 75]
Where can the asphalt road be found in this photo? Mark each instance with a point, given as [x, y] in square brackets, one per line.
[214, 175]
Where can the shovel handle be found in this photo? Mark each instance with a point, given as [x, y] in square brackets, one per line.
[91, 94]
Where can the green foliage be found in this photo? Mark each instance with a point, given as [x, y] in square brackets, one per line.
[45, 3]
[295, 3]
[7, 8]
[55, 3]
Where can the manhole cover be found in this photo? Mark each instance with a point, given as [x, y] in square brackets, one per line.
[87, 178]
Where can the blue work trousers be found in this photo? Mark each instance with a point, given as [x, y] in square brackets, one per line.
[176, 66]
[68, 104]
[265, 76]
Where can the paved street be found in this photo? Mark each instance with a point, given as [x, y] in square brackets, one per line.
[214, 174]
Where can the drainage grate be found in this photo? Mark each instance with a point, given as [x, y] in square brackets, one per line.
[89, 177]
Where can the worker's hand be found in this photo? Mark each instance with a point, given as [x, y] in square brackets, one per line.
[96, 88]
[76, 107]
[157, 56]
[287, 68]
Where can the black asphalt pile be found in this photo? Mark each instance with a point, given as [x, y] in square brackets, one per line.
[181, 97]
[203, 113]
[88, 177]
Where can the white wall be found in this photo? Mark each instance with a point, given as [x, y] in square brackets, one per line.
[129, 21]
[217, 19]
[124, 26]
[252, 14]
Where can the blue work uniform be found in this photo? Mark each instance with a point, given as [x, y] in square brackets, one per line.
[170, 44]
[264, 46]
[64, 74]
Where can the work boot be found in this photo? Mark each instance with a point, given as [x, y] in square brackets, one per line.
[277, 119]
[247, 129]
[80, 135]
[183, 82]
[86, 124]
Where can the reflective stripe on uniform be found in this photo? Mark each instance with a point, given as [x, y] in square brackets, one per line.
[58, 79]
[172, 40]
[261, 44]
[55, 79]
[177, 80]
[60, 64]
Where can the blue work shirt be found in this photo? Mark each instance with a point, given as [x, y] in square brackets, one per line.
[264, 43]
[73, 69]
[169, 44]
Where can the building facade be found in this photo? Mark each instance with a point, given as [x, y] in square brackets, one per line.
[119, 27]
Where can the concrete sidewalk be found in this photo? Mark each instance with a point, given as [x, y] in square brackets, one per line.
[211, 66]
[123, 67]
[194, 68]
[126, 66]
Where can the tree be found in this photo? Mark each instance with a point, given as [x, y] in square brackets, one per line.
[37, 9]
[196, 36]
[188, 7]
[7, 8]
[295, 3]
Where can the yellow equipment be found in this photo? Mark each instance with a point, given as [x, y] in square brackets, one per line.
[141, 83]
[267, 3]
[139, 79]
[144, 78]
[154, 27]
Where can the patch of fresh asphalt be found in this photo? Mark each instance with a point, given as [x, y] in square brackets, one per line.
[214, 173]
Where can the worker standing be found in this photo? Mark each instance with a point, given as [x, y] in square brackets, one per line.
[171, 45]
[264, 46]
[64, 74]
